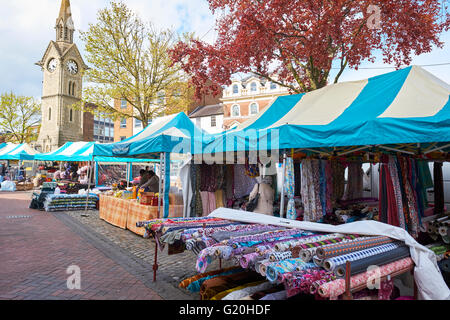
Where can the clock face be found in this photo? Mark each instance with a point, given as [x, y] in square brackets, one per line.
[53, 63]
[72, 67]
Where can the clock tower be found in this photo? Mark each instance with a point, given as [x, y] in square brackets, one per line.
[63, 68]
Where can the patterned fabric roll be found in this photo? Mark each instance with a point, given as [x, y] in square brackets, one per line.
[301, 281]
[337, 287]
[351, 246]
[318, 262]
[275, 269]
[331, 263]
[204, 259]
[318, 243]
[248, 259]
[263, 267]
[224, 252]
[277, 256]
[361, 265]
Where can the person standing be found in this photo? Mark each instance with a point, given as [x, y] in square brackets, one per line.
[152, 184]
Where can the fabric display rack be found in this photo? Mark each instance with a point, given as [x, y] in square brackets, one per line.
[280, 262]
[70, 202]
[125, 213]
[437, 239]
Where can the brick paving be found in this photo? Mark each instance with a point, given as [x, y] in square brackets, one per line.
[37, 247]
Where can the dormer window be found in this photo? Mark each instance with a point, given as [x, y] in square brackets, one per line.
[253, 87]
[235, 89]
[273, 86]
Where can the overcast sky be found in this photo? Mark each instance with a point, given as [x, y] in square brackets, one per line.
[27, 26]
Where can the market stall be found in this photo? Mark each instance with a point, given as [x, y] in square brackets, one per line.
[399, 121]
[79, 171]
[125, 213]
[16, 157]
[164, 139]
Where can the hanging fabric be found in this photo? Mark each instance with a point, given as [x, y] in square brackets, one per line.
[438, 188]
[289, 185]
[355, 181]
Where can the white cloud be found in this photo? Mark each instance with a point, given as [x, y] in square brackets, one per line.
[27, 26]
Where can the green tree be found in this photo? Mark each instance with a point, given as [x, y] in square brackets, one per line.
[129, 60]
[18, 114]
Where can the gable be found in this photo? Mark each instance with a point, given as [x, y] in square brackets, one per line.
[52, 49]
[73, 51]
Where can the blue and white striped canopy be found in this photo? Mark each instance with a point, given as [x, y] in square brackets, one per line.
[172, 133]
[405, 106]
[12, 151]
[81, 151]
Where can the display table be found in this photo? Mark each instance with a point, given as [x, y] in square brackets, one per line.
[125, 213]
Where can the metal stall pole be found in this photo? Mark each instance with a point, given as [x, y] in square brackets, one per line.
[126, 174]
[166, 203]
[282, 186]
[161, 161]
[88, 190]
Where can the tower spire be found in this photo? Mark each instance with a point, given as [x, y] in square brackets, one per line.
[64, 12]
[64, 23]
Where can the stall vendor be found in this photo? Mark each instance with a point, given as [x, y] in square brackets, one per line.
[152, 184]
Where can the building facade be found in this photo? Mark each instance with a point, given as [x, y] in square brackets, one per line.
[63, 67]
[123, 128]
[208, 118]
[246, 98]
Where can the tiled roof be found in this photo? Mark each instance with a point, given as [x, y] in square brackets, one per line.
[205, 111]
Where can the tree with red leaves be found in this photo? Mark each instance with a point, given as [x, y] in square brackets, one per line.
[296, 43]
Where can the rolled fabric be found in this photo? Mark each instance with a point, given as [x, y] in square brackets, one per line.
[318, 262]
[313, 289]
[337, 287]
[307, 265]
[224, 252]
[276, 268]
[258, 264]
[444, 265]
[351, 246]
[307, 254]
[278, 256]
[236, 260]
[190, 244]
[330, 264]
[361, 265]
[440, 249]
[263, 268]
[248, 259]
[319, 242]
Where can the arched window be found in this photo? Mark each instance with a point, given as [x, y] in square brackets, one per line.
[71, 115]
[254, 108]
[49, 114]
[235, 89]
[235, 110]
[73, 88]
[66, 34]
[70, 88]
[253, 87]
